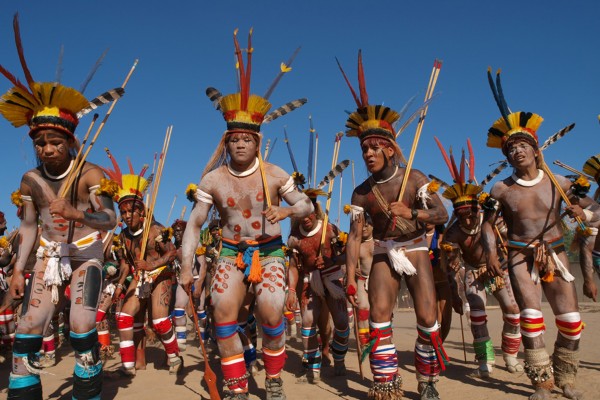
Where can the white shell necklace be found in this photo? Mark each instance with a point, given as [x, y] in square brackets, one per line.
[533, 182]
[243, 173]
[58, 177]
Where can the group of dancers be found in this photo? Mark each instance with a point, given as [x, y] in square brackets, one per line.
[240, 273]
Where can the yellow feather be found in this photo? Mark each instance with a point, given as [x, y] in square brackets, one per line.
[285, 68]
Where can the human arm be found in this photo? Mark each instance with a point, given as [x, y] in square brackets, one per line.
[201, 267]
[489, 241]
[299, 204]
[435, 213]
[26, 241]
[165, 251]
[103, 216]
[191, 237]
[292, 297]
[353, 254]
[586, 262]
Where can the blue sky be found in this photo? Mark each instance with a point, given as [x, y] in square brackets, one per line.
[548, 52]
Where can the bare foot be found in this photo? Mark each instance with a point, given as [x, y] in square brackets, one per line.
[339, 368]
[327, 358]
[311, 376]
[541, 394]
[512, 364]
[570, 393]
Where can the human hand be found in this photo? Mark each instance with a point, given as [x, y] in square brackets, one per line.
[64, 209]
[292, 300]
[186, 280]
[275, 214]
[574, 211]
[17, 285]
[399, 209]
[320, 262]
[590, 289]
[144, 265]
[351, 292]
[457, 305]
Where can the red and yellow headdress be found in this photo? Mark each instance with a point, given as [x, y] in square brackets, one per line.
[130, 186]
[522, 125]
[44, 105]
[463, 193]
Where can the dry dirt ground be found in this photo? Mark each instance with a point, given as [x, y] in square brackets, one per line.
[456, 383]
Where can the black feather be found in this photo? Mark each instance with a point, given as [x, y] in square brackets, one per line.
[333, 173]
[284, 109]
[215, 96]
[104, 98]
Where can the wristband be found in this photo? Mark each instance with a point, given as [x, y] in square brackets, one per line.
[414, 214]
[588, 215]
[291, 290]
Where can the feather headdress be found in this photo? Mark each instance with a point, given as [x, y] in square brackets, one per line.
[464, 192]
[511, 125]
[131, 186]
[243, 111]
[592, 167]
[45, 104]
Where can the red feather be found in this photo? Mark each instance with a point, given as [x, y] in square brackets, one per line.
[348, 83]
[116, 174]
[12, 79]
[445, 155]
[471, 161]
[462, 167]
[243, 91]
[362, 86]
[19, 44]
[249, 66]
[454, 168]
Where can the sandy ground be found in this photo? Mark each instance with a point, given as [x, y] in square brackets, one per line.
[456, 383]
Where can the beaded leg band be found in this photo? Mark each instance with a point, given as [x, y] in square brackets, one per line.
[539, 368]
[390, 390]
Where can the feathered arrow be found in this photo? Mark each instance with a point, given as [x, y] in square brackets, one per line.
[333, 173]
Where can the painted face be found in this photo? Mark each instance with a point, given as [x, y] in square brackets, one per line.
[131, 215]
[521, 154]
[216, 233]
[367, 231]
[52, 147]
[242, 147]
[468, 217]
[178, 232]
[309, 222]
[376, 157]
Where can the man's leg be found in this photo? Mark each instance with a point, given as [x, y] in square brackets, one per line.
[270, 301]
[179, 317]
[161, 299]
[383, 289]
[24, 382]
[310, 308]
[430, 357]
[339, 344]
[227, 295]
[482, 343]
[511, 330]
[125, 324]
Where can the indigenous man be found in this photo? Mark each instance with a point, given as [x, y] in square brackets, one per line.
[320, 272]
[152, 274]
[365, 259]
[252, 257]
[589, 245]
[462, 239]
[70, 246]
[400, 249]
[181, 297]
[529, 201]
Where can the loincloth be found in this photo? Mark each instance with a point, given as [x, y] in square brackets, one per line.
[491, 284]
[326, 282]
[546, 263]
[396, 252]
[249, 253]
[57, 258]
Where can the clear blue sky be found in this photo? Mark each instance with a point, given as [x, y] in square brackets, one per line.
[548, 52]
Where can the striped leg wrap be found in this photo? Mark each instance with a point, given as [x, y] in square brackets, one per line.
[478, 317]
[311, 358]
[7, 327]
[339, 344]
[532, 323]
[126, 348]
[484, 350]
[235, 376]
[511, 341]
[569, 325]
[24, 382]
[274, 361]
[180, 322]
[48, 345]
[202, 323]
[164, 330]
[432, 336]
[382, 357]
[87, 376]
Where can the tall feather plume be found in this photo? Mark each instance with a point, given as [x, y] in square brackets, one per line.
[131, 171]
[356, 99]
[116, 174]
[59, 64]
[333, 173]
[471, 162]
[505, 109]
[244, 89]
[215, 96]
[499, 102]
[442, 183]
[19, 45]
[462, 167]
[104, 98]
[13, 79]
[362, 84]
[282, 70]
[446, 158]
[93, 71]
[454, 168]
[284, 109]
